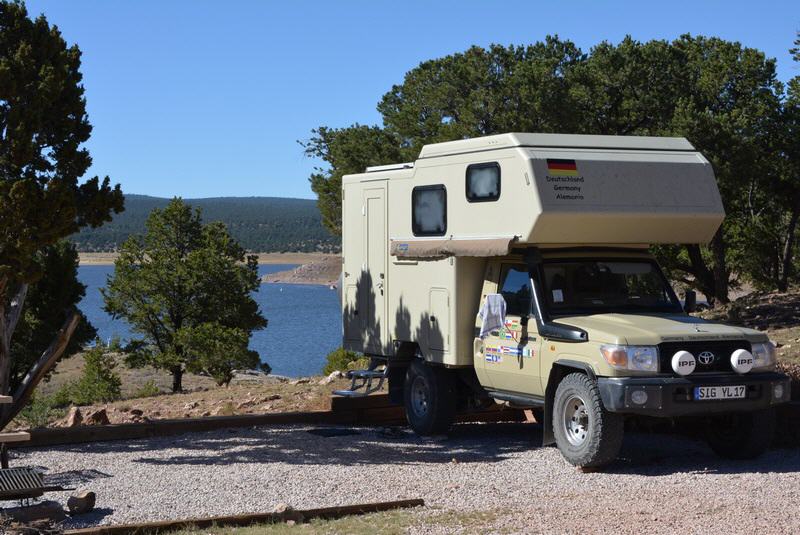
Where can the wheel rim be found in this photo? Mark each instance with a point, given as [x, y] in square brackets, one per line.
[576, 421]
[419, 396]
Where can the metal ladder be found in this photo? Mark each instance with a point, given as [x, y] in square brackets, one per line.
[362, 380]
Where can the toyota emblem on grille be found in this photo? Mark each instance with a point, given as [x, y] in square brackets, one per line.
[706, 357]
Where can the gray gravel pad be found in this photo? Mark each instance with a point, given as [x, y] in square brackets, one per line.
[663, 482]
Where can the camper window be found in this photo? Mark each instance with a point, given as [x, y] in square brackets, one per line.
[429, 210]
[516, 290]
[483, 182]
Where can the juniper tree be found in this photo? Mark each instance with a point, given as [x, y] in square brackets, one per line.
[724, 97]
[185, 289]
[43, 125]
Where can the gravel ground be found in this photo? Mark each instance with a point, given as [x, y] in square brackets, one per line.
[661, 484]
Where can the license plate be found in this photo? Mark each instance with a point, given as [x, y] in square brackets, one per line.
[704, 393]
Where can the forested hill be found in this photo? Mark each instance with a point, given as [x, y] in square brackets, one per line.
[261, 224]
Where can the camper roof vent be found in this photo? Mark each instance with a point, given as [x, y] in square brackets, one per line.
[390, 167]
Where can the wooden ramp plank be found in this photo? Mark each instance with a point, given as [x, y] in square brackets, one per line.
[327, 513]
[16, 436]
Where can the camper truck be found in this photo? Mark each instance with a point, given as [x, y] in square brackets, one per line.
[515, 268]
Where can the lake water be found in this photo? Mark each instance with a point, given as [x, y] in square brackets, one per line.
[304, 320]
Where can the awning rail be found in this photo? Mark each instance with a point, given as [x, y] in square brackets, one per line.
[445, 247]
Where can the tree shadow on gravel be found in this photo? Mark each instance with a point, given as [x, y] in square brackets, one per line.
[643, 453]
[73, 478]
[296, 446]
[466, 443]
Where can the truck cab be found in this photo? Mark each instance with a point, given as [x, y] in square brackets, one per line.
[516, 269]
[608, 319]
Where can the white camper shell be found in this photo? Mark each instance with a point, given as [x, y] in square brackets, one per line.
[416, 237]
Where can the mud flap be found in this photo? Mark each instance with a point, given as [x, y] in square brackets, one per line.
[548, 437]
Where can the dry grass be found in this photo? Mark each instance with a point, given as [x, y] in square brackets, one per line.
[389, 523]
[201, 396]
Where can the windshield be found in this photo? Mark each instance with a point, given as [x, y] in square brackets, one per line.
[591, 286]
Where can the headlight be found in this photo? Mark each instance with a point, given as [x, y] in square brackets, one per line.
[764, 355]
[637, 358]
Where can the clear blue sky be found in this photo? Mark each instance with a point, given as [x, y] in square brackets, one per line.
[199, 98]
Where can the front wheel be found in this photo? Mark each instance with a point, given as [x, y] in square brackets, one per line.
[587, 435]
[742, 435]
[430, 398]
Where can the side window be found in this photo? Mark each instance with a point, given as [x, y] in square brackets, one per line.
[515, 287]
[483, 182]
[429, 210]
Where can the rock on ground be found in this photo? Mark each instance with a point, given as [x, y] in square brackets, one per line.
[74, 418]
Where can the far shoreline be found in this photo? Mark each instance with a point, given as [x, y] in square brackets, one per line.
[107, 259]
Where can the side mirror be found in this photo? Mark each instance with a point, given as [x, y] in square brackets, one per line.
[690, 301]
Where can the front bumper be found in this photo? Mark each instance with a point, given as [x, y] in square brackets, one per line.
[674, 396]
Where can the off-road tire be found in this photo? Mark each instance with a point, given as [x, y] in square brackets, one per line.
[604, 430]
[743, 435]
[438, 386]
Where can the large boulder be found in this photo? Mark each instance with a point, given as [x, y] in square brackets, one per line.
[97, 417]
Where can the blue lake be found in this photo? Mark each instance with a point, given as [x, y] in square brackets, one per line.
[304, 321]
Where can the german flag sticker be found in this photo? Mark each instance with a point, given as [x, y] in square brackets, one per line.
[557, 167]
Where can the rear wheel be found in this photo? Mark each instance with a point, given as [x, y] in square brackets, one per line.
[430, 398]
[587, 434]
[742, 435]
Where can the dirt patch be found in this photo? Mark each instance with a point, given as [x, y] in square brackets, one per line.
[133, 379]
[257, 397]
[249, 393]
[322, 271]
[765, 311]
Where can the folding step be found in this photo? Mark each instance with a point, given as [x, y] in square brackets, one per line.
[363, 381]
[365, 373]
[350, 393]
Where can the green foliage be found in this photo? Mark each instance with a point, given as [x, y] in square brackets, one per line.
[147, 390]
[115, 344]
[180, 280]
[345, 150]
[46, 306]
[261, 224]
[725, 98]
[40, 412]
[98, 383]
[43, 124]
[341, 360]
[482, 92]
[217, 350]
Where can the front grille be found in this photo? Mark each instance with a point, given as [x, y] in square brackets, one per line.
[721, 349]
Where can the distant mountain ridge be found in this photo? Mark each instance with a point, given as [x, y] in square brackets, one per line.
[260, 224]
